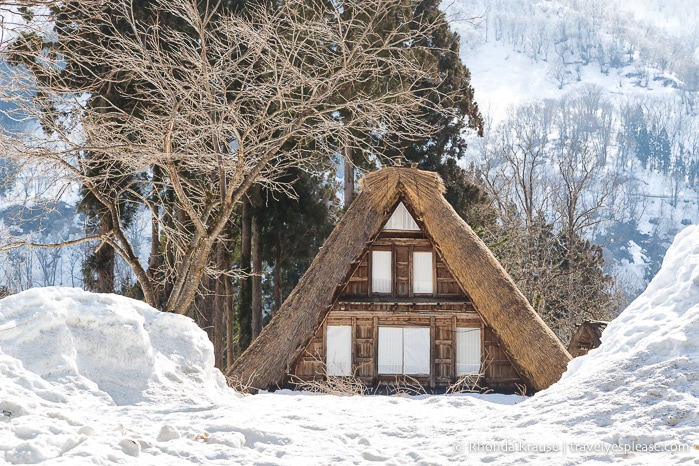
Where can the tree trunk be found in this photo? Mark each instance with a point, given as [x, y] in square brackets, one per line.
[104, 258]
[202, 308]
[244, 317]
[154, 261]
[230, 325]
[154, 258]
[348, 177]
[278, 275]
[256, 274]
[169, 221]
[222, 265]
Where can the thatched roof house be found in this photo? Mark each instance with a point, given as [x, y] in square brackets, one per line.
[404, 286]
[587, 336]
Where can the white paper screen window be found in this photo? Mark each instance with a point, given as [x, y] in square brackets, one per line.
[416, 350]
[390, 350]
[339, 350]
[404, 350]
[381, 271]
[468, 351]
[422, 273]
[401, 220]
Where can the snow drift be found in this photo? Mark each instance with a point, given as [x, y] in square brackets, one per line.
[114, 348]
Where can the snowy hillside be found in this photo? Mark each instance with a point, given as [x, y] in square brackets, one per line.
[101, 379]
[634, 66]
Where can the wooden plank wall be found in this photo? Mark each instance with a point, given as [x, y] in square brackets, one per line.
[498, 370]
[446, 285]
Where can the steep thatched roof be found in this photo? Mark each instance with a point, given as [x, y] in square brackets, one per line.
[533, 348]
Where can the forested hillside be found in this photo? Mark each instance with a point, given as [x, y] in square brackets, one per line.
[596, 101]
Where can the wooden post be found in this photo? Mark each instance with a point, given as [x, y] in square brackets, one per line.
[376, 350]
[411, 264]
[483, 355]
[324, 350]
[353, 357]
[369, 272]
[434, 273]
[454, 377]
[394, 270]
[433, 349]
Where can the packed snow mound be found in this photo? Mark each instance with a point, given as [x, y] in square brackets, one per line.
[641, 386]
[118, 350]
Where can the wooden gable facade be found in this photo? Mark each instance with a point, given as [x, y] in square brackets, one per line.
[404, 287]
[401, 282]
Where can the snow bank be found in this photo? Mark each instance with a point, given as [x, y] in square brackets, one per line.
[77, 369]
[641, 386]
[116, 349]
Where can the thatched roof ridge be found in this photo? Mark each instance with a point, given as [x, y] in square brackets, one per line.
[533, 348]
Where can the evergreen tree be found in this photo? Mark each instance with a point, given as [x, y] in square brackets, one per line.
[440, 152]
[452, 75]
[295, 228]
[437, 153]
[98, 269]
[561, 276]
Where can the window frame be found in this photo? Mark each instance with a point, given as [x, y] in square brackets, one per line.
[335, 368]
[431, 272]
[399, 216]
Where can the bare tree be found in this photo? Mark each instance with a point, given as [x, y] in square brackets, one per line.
[545, 172]
[221, 103]
[560, 74]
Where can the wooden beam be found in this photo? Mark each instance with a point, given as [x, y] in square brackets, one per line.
[353, 339]
[406, 314]
[324, 350]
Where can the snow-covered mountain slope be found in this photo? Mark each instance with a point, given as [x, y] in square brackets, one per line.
[103, 379]
[637, 64]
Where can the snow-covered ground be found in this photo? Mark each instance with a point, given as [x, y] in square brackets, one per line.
[102, 379]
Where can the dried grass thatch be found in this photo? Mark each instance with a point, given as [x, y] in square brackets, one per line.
[533, 348]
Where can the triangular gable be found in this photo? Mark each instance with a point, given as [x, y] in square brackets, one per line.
[532, 347]
[401, 220]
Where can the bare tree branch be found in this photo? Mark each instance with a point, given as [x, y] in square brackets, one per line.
[217, 106]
